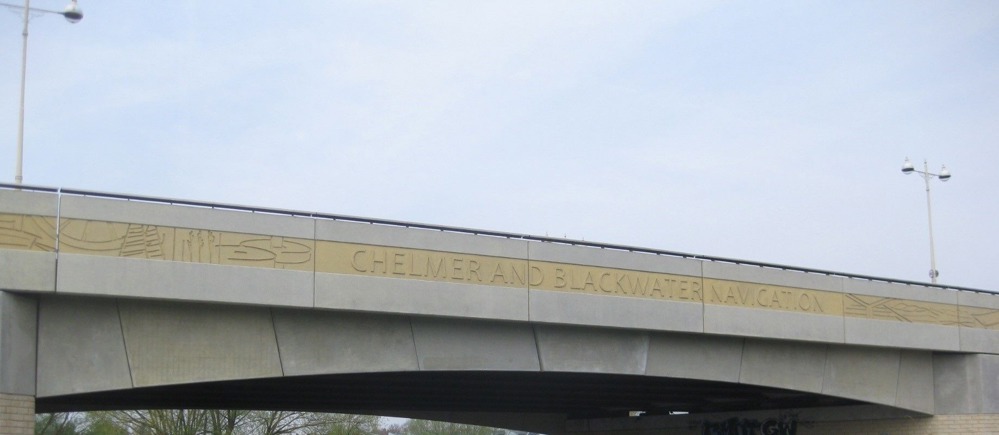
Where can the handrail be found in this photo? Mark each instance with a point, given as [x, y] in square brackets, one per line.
[478, 232]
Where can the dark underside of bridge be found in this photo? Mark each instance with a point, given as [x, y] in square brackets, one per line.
[577, 395]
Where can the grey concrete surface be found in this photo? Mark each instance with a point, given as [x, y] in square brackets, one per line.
[957, 384]
[555, 253]
[391, 295]
[319, 342]
[458, 344]
[695, 356]
[139, 278]
[594, 350]
[171, 343]
[300, 323]
[910, 335]
[27, 270]
[977, 339]
[18, 329]
[750, 322]
[25, 202]
[915, 381]
[783, 364]
[615, 311]
[966, 384]
[441, 241]
[864, 373]
[113, 210]
[80, 346]
[887, 290]
[737, 272]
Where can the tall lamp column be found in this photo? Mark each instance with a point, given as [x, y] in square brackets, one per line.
[944, 175]
[73, 14]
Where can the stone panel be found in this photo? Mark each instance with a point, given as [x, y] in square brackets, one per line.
[320, 342]
[96, 275]
[863, 373]
[80, 346]
[412, 238]
[708, 357]
[783, 364]
[389, 295]
[27, 271]
[29, 203]
[420, 265]
[749, 322]
[900, 291]
[615, 312]
[25, 232]
[18, 332]
[777, 277]
[171, 343]
[890, 333]
[593, 350]
[613, 259]
[979, 315]
[113, 210]
[451, 344]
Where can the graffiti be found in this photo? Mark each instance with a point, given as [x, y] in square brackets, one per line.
[783, 425]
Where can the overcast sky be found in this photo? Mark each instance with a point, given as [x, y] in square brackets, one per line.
[767, 131]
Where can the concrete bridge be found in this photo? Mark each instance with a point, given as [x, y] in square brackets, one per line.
[118, 302]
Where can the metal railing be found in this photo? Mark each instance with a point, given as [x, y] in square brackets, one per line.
[477, 232]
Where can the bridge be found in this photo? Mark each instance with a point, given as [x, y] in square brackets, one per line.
[123, 302]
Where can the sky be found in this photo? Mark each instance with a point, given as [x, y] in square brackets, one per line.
[769, 131]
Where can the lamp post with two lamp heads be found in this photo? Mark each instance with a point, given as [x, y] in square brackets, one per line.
[73, 14]
[944, 175]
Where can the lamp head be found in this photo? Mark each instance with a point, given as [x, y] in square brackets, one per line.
[73, 13]
[907, 167]
[944, 174]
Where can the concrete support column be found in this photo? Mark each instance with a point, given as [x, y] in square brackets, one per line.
[18, 335]
[17, 414]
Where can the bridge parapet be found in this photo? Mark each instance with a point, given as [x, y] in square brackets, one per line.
[73, 244]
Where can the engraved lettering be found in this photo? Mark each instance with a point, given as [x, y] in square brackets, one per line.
[589, 282]
[621, 278]
[657, 287]
[398, 263]
[436, 272]
[603, 287]
[518, 276]
[375, 261]
[498, 273]
[761, 298]
[412, 266]
[639, 286]
[537, 276]
[560, 281]
[355, 263]
[805, 302]
[457, 268]
[473, 269]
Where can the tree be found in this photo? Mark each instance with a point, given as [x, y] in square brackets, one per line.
[206, 422]
[431, 427]
[56, 424]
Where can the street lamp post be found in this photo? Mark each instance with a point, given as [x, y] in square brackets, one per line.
[73, 14]
[944, 175]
